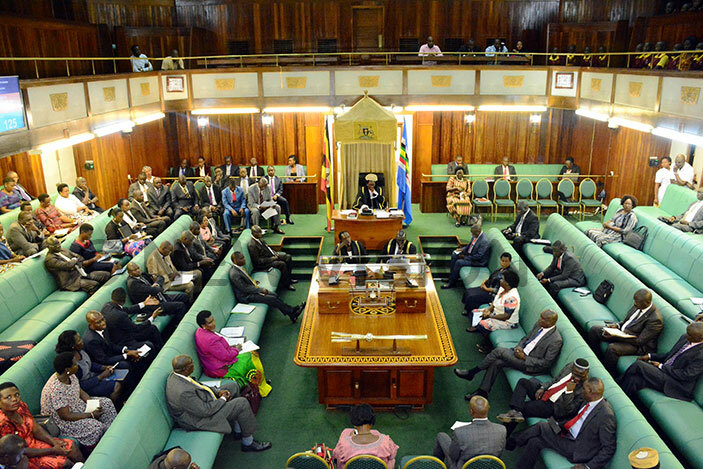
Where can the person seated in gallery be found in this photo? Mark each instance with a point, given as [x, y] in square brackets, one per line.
[524, 228]
[140, 185]
[399, 246]
[159, 197]
[370, 196]
[183, 169]
[67, 268]
[69, 205]
[219, 359]
[459, 198]
[229, 169]
[85, 195]
[475, 297]
[505, 169]
[363, 440]
[613, 230]
[348, 250]
[184, 198]
[294, 169]
[201, 170]
[145, 215]
[554, 58]
[690, 221]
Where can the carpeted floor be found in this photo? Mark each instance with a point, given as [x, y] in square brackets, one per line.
[293, 420]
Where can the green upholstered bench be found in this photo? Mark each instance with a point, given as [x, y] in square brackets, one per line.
[675, 201]
[31, 372]
[6, 219]
[633, 428]
[522, 170]
[121, 447]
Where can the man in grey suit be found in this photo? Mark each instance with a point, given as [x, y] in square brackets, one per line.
[257, 194]
[247, 290]
[185, 199]
[692, 219]
[276, 186]
[195, 406]
[456, 164]
[565, 270]
[141, 185]
[24, 237]
[480, 436]
[160, 199]
[534, 354]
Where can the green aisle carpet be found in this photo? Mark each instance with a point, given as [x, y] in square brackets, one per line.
[291, 417]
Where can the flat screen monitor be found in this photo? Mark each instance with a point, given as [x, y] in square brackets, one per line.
[11, 106]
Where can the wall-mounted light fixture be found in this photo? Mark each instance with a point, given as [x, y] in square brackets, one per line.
[678, 136]
[469, 119]
[619, 121]
[266, 119]
[203, 121]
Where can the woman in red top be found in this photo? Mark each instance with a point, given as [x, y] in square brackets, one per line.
[43, 451]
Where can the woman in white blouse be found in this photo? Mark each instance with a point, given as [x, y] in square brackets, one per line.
[503, 313]
[69, 205]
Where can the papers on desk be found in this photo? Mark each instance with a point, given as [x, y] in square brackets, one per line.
[618, 333]
[396, 213]
[458, 424]
[237, 331]
[249, 346]
[269, 212]
[233, 341]
[382, 214]
[347, 212]
[182, 278]
[143, 350]
[92, 405]
[212, 384]
[695, 301]
[35, 255]
[243, 308]
[476, 317]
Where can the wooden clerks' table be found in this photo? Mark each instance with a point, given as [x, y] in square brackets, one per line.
[373, 232]
[383, 372]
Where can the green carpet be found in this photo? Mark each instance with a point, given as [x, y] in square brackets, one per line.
[291, 417]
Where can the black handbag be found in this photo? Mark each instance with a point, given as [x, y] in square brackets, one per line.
[48, 424]
[603, 292]
[636, 238]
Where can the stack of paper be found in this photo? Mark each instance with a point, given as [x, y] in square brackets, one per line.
[182, 278]
[618, 333]
[269, 212]
[232, 331]
[697, 301]
[143, 350]
[243, 308]
[382, 214]
[92, 405]
[476, 318]
[232, 341]
[249, 346]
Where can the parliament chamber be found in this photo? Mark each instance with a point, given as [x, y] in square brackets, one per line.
[478, 225]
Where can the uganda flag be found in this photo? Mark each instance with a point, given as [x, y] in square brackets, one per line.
[327, 177]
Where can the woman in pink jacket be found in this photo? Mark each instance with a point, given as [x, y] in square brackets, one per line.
[220, 360]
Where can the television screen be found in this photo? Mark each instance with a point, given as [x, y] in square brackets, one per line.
[11, 106]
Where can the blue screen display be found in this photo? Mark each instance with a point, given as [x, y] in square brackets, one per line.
[11, 106]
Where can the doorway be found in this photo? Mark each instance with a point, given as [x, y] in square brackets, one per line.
[367, 28]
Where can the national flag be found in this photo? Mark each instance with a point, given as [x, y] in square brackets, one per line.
[403, 178]
[326, 178]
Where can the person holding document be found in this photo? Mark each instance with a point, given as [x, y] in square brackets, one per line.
[261, 203]
[222, 360]
[67, 268]
[160, 263]
[63, 400]
[637, 334]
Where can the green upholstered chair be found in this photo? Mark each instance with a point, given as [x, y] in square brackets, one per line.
[306, 461]
[424, 462]
[501, 196]
[544, 195]
[587, 197]
[479, 195]
[524, 190]
[567, 188]
[485, 461]
[365, 462]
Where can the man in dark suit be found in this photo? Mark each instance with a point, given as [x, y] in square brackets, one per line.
[85, 195]
[505, 170]
[587, 439]
[142, 286]
[560, 398]
[263, 258]
[456, 164]
[247, 290]
[475, 297]
[370, 196]
[183, 170]
[210, 196]
[254, 171]
[535, 353]
[184, 198]
[349, 251]
[185, 262]
[229, 169]
[160, 199]
[474, 254]
[564, 271]
[195, 406]
[399, 246]
[525, 227]
[480, 436]
[643, 321]
[674, 373]
[199, 249]
[141, 185]
[24, 238]
[123, 331]
[276, 186]
[67, 268]
[155, 224]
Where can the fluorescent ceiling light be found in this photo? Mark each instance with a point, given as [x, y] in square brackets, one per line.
[592, 115]
[642, 127]
[67, 142]
[271, 110]
[112, 128]
[679, 136]
[439, 107]
[225, 110]
[149, 118]
[512, 108]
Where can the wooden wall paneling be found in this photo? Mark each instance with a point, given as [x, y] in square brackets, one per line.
[586, 11]
[670, 28]
[131, 12]
[422, 150]
[28, 167]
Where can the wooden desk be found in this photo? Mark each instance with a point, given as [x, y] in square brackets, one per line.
[433, 196]
[371, 231]
[301, 196]
[379, 380]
